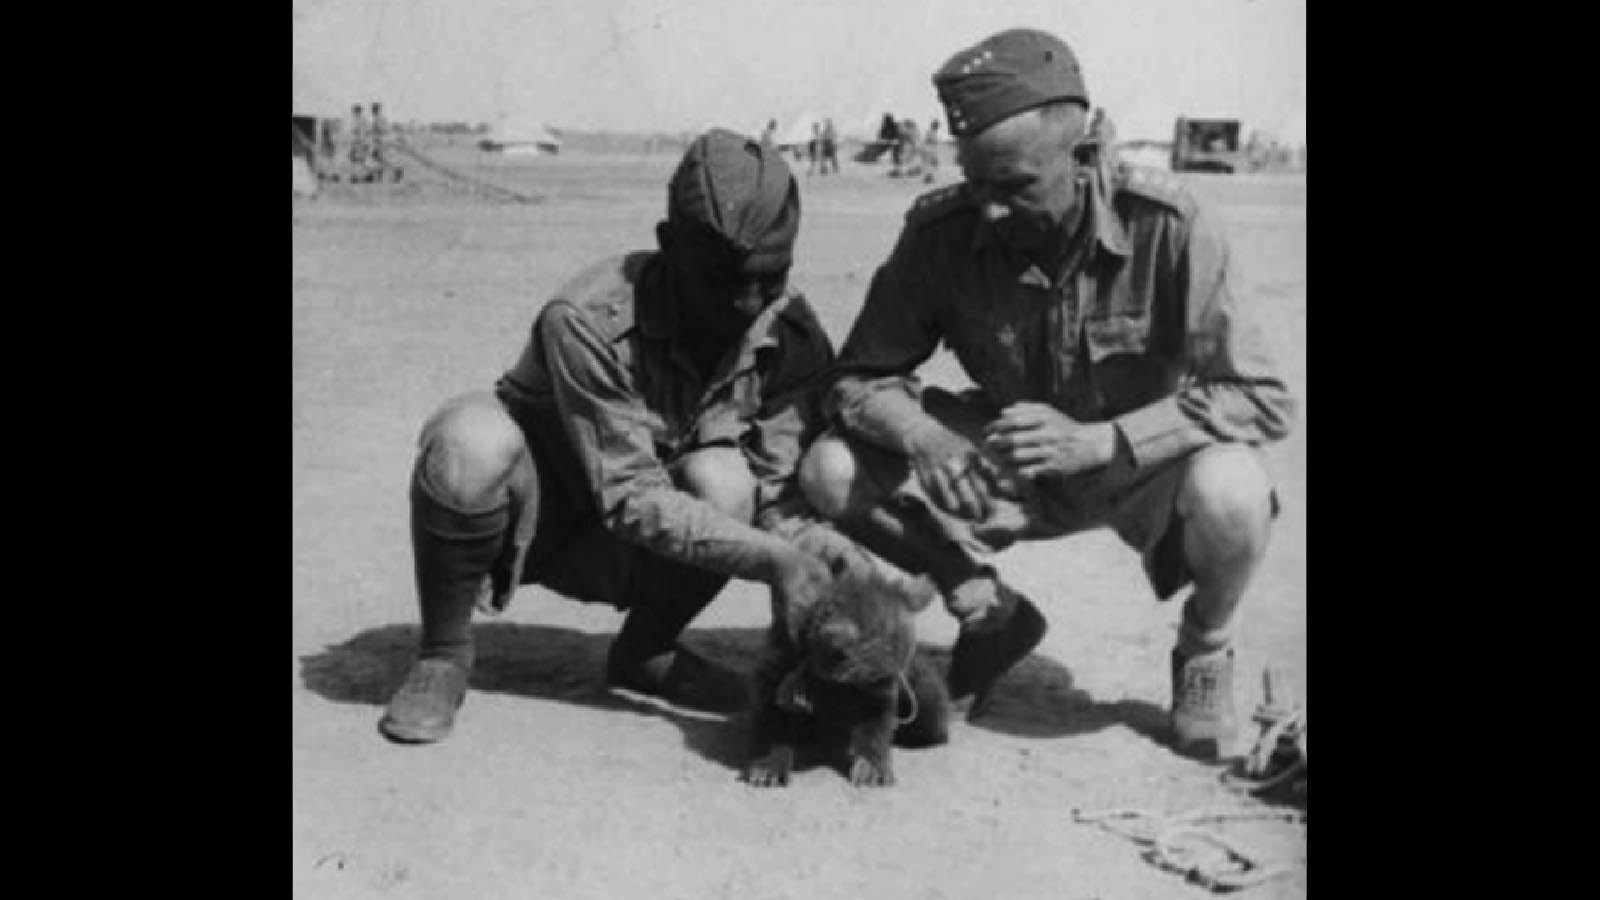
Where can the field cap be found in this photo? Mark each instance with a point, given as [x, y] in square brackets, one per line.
[1005, 74]
[735, 189]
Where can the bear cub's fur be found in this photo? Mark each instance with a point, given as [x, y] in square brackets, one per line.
[846, 671]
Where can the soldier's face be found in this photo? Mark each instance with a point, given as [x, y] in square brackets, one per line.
[728, 297]
[1021, 171]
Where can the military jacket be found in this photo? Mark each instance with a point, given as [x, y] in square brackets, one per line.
[607, 358]
[1142, 326]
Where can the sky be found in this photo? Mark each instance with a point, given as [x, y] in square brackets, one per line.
[679, 65]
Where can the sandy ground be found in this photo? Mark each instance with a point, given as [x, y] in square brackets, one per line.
[551, 787]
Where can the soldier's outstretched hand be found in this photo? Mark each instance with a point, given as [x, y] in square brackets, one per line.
[952, 472]
[1038, 439]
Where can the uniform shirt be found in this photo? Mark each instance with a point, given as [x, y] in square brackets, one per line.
[607, 353]
[1141, 326]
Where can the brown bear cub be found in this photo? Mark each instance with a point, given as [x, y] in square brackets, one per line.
[844, 673]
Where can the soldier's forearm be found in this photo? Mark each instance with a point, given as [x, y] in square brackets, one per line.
[886, 413]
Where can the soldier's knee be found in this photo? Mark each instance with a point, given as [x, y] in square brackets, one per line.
[1227, 493]
[829, 476]
[469, 451]
[721, 477]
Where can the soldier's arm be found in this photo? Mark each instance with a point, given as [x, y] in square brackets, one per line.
[874, 394]
[1233, 392]
[606, 422]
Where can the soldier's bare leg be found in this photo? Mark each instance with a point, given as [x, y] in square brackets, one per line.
[1224, 507]
[834, 482]
[474, 477]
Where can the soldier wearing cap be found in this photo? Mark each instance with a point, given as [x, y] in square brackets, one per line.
[1120, 382]
[655, 415]
[358, 143]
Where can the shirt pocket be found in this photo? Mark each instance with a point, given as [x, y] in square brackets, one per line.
[1116, 335]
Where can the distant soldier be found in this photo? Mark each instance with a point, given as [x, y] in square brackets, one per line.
[381, 136]
[813, 147]
[910, 149]
[769, 135]
[358, 148]
[830, 147]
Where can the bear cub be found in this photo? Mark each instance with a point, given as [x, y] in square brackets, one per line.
[844, 674]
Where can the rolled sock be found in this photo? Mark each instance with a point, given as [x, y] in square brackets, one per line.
[1195, 639]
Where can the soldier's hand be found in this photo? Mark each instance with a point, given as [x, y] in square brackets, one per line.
[799, 580]
[953, 472]
[1038, 439]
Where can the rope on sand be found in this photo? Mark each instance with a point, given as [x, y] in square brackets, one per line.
[1206, 858]
[493, 191]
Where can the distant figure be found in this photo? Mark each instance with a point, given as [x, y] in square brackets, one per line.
[830, 147]
[359, 138]
[930, 152]
[889, 130]
[813, 146]
[381, 136]
[907, 151]
[769, 135]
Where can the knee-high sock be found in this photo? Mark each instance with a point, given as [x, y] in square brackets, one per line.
[452, 552]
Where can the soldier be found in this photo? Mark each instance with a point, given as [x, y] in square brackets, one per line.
[910, 149]
[358, 150]
[638, 450]
[381, 137]
[830, 147]
[1120, 382]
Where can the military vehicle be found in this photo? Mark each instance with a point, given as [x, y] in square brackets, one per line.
[1207, 145]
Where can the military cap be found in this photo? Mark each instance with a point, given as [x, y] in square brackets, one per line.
[742, 193]
[1004, 74]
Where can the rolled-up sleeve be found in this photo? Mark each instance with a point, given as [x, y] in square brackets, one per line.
[606, 422]
[1232, 392]
[874, 396]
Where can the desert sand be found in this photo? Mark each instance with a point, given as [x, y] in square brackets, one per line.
[551, 787]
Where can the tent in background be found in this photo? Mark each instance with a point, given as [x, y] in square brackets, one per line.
[521, 136]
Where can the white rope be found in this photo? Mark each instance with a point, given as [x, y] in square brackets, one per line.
[1177, 843]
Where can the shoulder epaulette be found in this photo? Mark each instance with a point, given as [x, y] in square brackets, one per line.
[1154, 184]
[938, 204]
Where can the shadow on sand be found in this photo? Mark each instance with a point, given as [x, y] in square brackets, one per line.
[1036, 699]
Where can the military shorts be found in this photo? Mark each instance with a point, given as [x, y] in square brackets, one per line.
[1138, 503]
[560, 541]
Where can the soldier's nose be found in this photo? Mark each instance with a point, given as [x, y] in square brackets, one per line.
[994, 212]
[750, 301]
